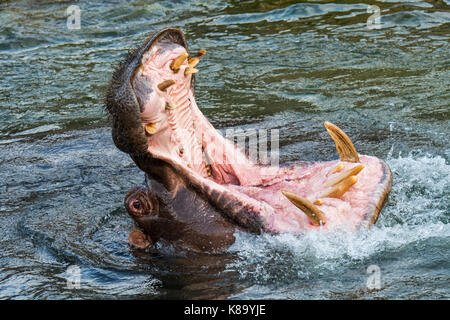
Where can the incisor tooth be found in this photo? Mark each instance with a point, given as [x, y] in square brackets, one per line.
[171, 106]
[338, 190]
[338, 168]
[344, 145]
[314, 214]
[190, 70]
[192, 62]
[200, 53]
[343, 175]
[175, 65]
[165, 84]
[208, 170]
[318, 202]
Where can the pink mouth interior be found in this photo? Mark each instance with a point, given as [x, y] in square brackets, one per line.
[186, 139]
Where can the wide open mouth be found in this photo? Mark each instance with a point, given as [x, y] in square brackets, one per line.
[347, 192]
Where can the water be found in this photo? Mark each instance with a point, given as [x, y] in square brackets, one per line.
[286, 65]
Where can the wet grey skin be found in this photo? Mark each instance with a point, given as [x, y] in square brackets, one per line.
[174, 205]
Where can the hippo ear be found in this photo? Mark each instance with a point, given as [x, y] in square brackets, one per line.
[139, 239]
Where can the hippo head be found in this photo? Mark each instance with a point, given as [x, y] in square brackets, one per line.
[200, 186]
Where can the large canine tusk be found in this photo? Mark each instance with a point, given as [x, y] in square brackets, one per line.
[344, 145]
[314, 214]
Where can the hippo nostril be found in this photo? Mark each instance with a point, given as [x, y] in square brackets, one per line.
[137, 204]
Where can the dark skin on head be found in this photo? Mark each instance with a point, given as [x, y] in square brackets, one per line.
[173, 212]
[160, 214]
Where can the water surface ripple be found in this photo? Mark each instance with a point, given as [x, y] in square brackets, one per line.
[286, 65]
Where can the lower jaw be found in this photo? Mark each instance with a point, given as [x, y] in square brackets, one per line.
[359, 206]
[260, 189]
[216, 165]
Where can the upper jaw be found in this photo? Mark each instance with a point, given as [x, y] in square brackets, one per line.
[121, 101]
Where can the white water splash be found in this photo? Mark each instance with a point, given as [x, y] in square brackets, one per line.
[416, 212]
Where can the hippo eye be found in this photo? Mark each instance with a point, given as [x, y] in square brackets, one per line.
[137, 204]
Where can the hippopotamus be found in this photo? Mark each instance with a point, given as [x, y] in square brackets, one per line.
[200, 189]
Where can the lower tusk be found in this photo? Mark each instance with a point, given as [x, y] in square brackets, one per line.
[338, 190]
[343, 175]
[316, 216]
[175, 65]
[165, 84]
[190, 70]
[344, 146]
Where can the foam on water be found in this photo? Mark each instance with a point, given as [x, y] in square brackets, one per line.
[416, 212]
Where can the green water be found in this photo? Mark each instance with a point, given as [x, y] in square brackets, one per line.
[287, 65]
